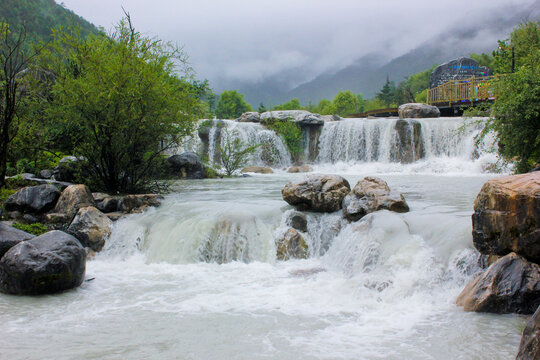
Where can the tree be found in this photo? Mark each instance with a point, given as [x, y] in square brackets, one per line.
[345, 103]
[523, 39]
[231, 105]
[234, 152]
[14, 59]
[261, 108]
[484, 59]
[122, 103]
[387, 93]
[293, 104]
[516, 111]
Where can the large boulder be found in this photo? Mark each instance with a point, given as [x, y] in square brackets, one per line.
[292, 246]
[91, 227]
[529, 348]
[507, 216]
[46, 264]
[68, 169]
[187, 165]
[408, 140]
[302, 117]
[251, 116]
[33, 199]
[418, 111]
[321, 193]
[372, 194]
[9, 237]
[137, 203]
[106, 203]
[72, 199]
[257, 170]
[509, 285]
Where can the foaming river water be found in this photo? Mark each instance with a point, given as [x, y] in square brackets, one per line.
[198, 278]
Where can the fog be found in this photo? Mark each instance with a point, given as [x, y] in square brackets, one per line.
[245, 41]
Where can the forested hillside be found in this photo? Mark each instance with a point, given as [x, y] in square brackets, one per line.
[39, 16]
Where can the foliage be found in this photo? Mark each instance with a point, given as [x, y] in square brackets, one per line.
[484, 59]
[523, 40]
[261, 108]
[345, 103]
[517, 113]
[34, 229]
[293, 104]
[234, 151]
[231, 105]
[291, 134]
[5, 193]
[374, 104]
[121, 102]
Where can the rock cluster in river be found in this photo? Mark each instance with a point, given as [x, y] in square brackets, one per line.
[320, 193]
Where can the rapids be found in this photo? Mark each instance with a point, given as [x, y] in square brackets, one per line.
[197, 278]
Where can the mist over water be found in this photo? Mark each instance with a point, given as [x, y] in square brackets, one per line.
[198, 278]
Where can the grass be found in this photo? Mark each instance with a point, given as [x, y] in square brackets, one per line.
[34, 229]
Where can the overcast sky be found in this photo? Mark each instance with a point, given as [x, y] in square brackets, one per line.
[250, 40]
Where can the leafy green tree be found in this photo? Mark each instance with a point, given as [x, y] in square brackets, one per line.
[293, 104]
[234, 152]
[361, 103]
[291, 134]
[516, 111]
[345, 103]
[122, 102]
[484, 59]
[231, 105]
[387, 93]
[261, 108]
[522, 40]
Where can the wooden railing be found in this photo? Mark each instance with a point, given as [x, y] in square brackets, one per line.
[455, 92]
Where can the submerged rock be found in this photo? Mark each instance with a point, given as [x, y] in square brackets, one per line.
[9, 237]
[321, 193]
[297, 220]
[187, 165]
[46, 264]
[72, 199]
[292, 246]
[510, 285]
[372, 194]
[529, 348]
[507, 216]
[257, 170]
[33, 199]
[91, 227]
[418, 110]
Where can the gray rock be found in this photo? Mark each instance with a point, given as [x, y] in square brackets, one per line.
[67, 169]
[9, 237]
[529, 348]
[297, 220]
[409, 143]
[321, 193]
[301, 117]
[106, 203]
[418, 111]
[33, 199]
[91, 227]
[251, 116]
[73, 198]
[330, 118]
[509, 285]
[369, 195]
[46, 174]
[46, 264]
[187, 165]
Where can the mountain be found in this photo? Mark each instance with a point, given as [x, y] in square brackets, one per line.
[368, 74]
[38, 17]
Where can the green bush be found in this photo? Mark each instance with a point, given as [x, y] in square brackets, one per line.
[291, 134]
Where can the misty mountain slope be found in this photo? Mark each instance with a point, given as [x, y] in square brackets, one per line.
[368, 74]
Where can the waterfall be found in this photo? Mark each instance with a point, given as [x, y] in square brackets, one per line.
[395, 140]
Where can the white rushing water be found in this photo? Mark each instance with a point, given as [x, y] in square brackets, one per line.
[198, 277]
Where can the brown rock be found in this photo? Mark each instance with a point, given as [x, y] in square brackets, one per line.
[297, 220]
[321, 193]
[510, 285]
[299, 169]
[91, 227]
[529, 348]
[72, 199]
[372, 194]
[507, 216]
[136, 203]
[292, 245]
[258, 170]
